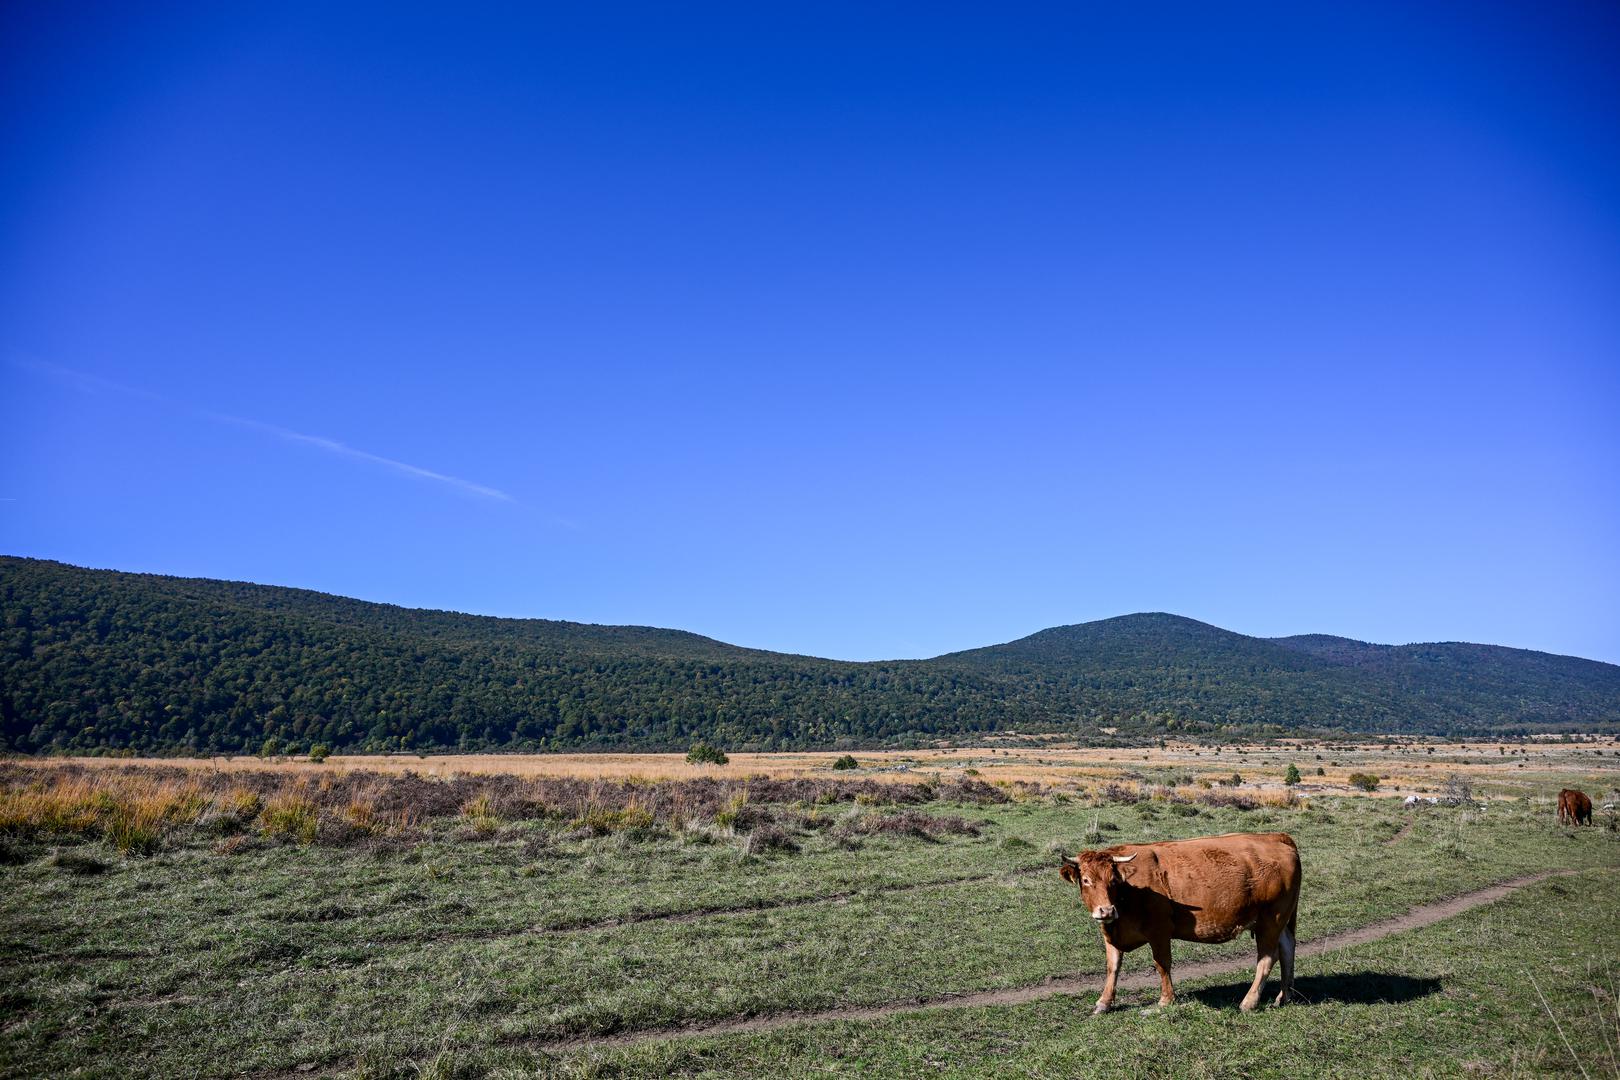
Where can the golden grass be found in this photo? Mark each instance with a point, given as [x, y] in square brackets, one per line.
[128, 812]
[133, 812]
[1417, 768]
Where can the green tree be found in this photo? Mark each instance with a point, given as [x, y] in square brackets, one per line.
[1292, 776]
[704, 754]
[319, 753]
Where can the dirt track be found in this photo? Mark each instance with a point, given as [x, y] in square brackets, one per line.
[1089, 984]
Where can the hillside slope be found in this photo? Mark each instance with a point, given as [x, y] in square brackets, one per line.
[95, 659]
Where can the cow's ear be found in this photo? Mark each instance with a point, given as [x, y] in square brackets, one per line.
[1068, 871]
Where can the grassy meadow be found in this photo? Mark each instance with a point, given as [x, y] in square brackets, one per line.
[344, 920]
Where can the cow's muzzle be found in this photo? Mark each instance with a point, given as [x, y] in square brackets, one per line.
[1106, 914]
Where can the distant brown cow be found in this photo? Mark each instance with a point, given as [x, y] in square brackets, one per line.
[1210, 889]
[1574, 808]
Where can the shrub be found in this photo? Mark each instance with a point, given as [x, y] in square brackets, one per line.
[1221, 798]
[907, 823]
[846, 762]
[1291, 777]
[1321, 771]
[1364, 781]
[727, 818]
[133, 833]
[767, 839]
[704, 754]
[600, 822]
[291, 816]
[319, 753]
[1236, 780]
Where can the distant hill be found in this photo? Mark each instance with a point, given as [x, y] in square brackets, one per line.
[96, 659]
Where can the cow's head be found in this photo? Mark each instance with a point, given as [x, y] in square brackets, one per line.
[1100, 875]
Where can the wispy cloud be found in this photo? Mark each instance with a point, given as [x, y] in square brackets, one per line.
[332, 446]
[96, 384]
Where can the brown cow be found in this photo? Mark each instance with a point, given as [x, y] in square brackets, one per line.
[1574, 808]
[1210, 889]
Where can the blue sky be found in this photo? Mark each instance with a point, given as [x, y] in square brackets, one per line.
[863, 331]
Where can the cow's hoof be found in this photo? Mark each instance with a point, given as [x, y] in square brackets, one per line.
[1249, 1006]
[1100, 1009]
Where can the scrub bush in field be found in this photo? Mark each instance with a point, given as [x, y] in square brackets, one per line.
[292, 817]
[601, 822]
[907, 823]
[139, 808]
[846, 762]
[704, 754]
[1230, 800]
[1364, 781]
[767, 839]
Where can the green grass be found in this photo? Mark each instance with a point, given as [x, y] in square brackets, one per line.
[468, 955]
[1453, 999]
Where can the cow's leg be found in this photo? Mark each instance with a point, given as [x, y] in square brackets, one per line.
[1161, 960]
[1285, 953]
[1266, 946]
[1115, 955]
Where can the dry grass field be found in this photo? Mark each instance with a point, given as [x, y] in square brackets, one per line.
[1410, 766]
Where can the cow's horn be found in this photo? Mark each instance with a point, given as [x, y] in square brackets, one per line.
[1123, 858]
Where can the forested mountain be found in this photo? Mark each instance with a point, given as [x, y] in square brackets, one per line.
[94, 659]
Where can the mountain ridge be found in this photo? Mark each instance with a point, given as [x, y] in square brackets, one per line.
[105, 659]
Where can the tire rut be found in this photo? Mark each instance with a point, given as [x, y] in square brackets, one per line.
[1421, 916]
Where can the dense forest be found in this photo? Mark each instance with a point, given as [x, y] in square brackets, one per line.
[95, 660]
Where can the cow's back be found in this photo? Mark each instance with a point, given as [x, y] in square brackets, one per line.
[1219, 886]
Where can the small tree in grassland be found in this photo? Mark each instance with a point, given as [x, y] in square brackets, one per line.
[704, 754]
[319, 753]
[1292, 776]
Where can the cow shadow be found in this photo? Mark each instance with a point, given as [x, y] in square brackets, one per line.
[1358, 988]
